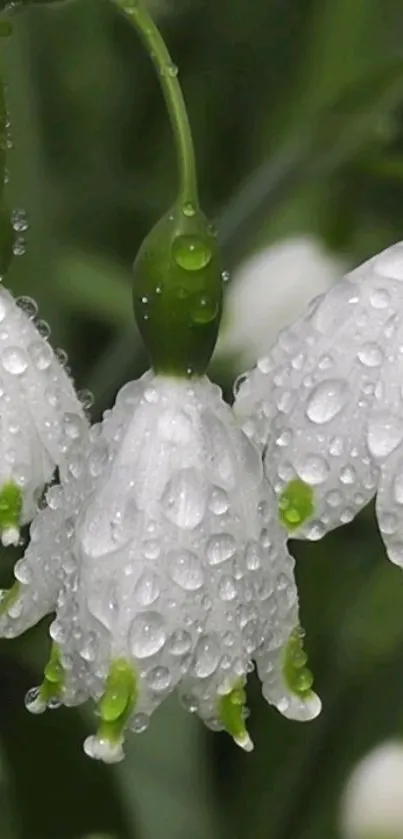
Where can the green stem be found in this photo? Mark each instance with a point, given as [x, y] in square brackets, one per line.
[171, 89]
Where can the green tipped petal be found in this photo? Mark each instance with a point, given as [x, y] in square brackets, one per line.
[53, 683]
[232, 715]
[178, 292]
[296, 504]
[8, 598]
[297, 676]
[49, 693]
[118, 701]
[10, 512]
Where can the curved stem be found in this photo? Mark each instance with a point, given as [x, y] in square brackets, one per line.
[167, 73]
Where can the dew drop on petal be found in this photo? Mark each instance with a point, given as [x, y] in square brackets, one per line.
[313, 469]
[206, 656]
[147, 634]
[147, 589]
[180, 642]
[379, 298]
[186, 570]
[220, 548]
[384, 434]
[41, 354]
[33, 701]
[14, 361]
[184, 499]
[159, 679]
[327, 400]
[371, 355]
[218, 501]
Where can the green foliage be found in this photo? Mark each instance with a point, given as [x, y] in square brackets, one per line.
[297, 113]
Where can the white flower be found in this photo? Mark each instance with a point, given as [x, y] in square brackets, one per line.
[327, 405]
[269, 291]
[169, 570]
[372, 804]
[36, 398]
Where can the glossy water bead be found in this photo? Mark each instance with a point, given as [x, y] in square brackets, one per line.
[162, 556]
[327, 405]
[36, 398]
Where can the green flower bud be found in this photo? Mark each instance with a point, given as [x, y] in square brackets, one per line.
[178, 292]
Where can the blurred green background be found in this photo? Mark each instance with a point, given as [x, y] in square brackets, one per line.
[297, 110]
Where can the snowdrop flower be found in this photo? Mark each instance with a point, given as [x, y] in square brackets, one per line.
[163, 559]
[372, 804]
[36, 398]
[327, 405]
[269, 291]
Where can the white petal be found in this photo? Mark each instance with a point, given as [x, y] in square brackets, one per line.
[271, 289]
[279, 618]
[35, 396]
[311, 400]
[372, 803]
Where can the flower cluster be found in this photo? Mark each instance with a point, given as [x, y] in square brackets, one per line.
[326, 406]
[164, 561]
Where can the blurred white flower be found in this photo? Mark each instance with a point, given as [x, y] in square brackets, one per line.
[327, 405]
[269, 290]
[372, 804]
[163, 558]
[36, 398]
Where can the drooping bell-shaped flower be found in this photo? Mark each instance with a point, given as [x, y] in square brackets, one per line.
[268, 291]
[37, 399]
[372, 803]
[169, 569]
[326, 405]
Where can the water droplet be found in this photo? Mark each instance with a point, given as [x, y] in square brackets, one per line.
[313, 469]
[43, 328]
[204, 309]
[28, 306]
[206, 656]
[226, 588]
[86, 398]
[19, 221]
[61, 356]
[218, 501]
[180, 642]
[379, 298]
[159, 679]
[191, 253]
[33, 701]
[225, 276]
[139, 723]
[188, 209]
[14, 361]
[97, 459]
[347, 475]
[147, 634]
[170, 70]
[184, 499]
[334, 498]
[220, 548]
[385, 432]
[19, 246]
[72, 425]
[371, 355]
[41, 354]
[327, 400]
[186, 570]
